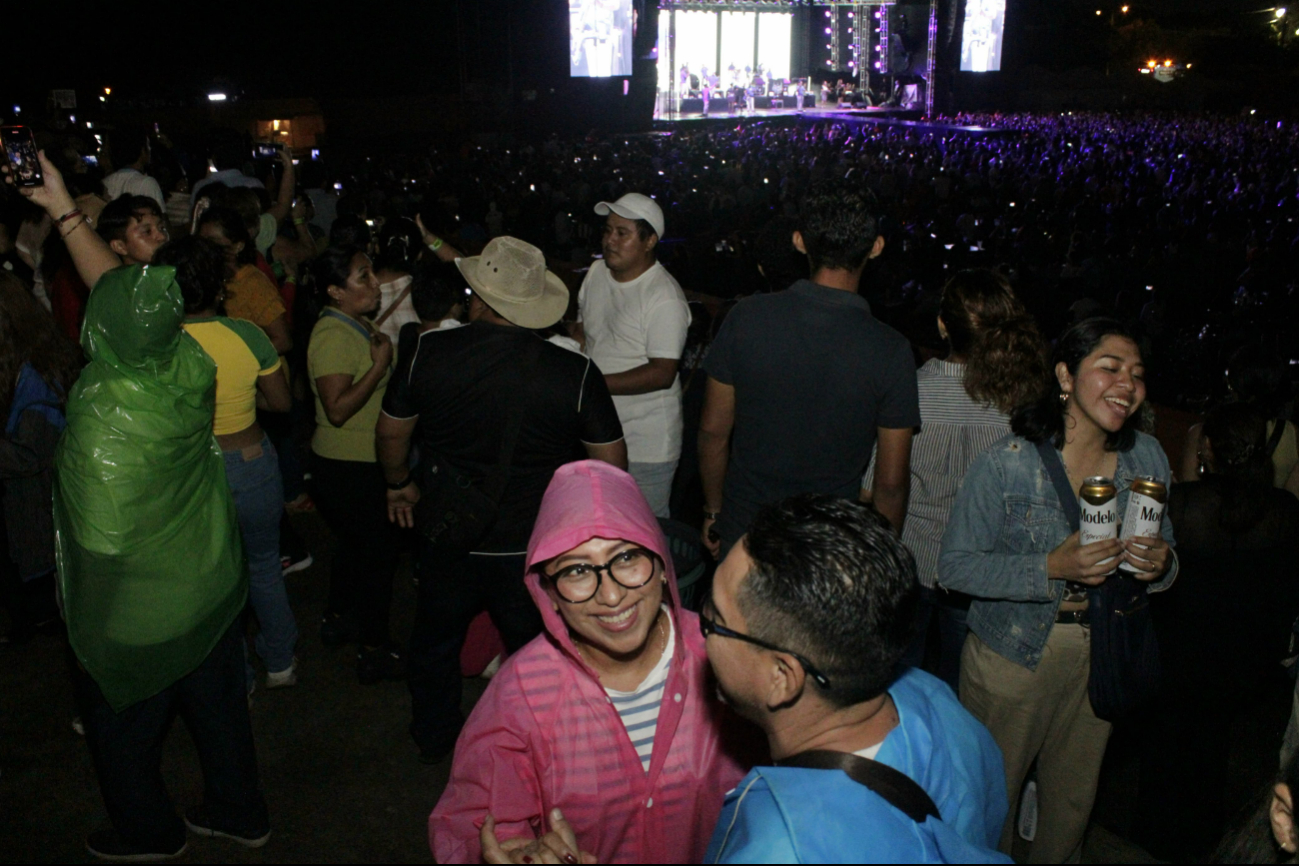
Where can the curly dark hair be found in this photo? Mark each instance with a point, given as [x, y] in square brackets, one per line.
[839, 225]
[1043, 418]
[232, 228]
[29, 335]
[1237, 434]
[1005, 355]
[831, 580]
[200, 271]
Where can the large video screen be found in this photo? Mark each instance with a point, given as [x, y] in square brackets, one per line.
[981, 38]
[600, 37]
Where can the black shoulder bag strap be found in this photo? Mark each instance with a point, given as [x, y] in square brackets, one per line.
[1063, 489]
[899, 789]
[494, 483]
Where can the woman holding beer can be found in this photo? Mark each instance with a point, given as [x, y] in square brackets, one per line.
[1009, 543]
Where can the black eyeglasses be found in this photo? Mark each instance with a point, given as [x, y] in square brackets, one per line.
[709, 626]
[630, 569]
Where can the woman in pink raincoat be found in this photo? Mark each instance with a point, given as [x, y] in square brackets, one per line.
[609, 715]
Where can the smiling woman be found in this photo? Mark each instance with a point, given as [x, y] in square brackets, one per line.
[1025, 668]
[608, 715]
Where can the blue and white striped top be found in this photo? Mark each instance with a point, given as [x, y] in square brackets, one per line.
[639, 709]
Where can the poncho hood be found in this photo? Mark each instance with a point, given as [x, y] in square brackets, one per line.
[585, 500]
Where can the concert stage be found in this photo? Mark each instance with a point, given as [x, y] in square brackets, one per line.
[900, 117]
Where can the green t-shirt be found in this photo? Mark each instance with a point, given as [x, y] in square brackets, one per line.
[338, 346]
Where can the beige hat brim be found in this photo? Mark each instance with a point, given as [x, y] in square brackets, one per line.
[540, 313]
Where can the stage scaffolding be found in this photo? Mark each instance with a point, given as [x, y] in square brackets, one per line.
[868, 53]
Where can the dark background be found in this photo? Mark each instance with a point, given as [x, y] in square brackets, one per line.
[467, 66]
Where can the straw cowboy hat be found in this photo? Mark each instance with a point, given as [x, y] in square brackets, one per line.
[511, 278]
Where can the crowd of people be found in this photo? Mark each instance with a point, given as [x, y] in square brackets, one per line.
[856, 375]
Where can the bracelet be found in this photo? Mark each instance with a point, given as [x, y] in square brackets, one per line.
[75, 226]
[403, 485]
[67, 216]
[436, 245]
[712, 515]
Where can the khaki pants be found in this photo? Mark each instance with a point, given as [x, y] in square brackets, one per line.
[1043, 714]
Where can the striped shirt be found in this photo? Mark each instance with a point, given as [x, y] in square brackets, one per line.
[953, 431]
[639, 709]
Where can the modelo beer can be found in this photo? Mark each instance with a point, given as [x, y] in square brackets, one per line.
[1145, 512]
[1099, 502]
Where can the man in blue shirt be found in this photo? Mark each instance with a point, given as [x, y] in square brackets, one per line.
[809, 619]
[810, 616]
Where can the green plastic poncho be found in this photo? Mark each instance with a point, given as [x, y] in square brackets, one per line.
[150, 561]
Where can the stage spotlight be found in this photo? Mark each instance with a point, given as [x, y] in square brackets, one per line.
[1280, 12]
[1098, 12]
[1124, 10]
[216, 97]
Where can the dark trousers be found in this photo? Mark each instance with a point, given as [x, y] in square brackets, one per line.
[452, 591]
[353, 499]
[951, 610]
[126, 749]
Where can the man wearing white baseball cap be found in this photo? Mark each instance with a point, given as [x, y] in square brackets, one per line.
[634, 318]
[495, 407]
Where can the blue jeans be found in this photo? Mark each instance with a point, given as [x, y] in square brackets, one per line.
[253, 474]
[655, 482]
[126, 749]
[951, 634]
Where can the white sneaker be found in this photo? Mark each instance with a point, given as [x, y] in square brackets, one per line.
[283, 679]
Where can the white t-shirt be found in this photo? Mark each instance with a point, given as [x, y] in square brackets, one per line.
[405, 312]
[129, 181]
[626, 324]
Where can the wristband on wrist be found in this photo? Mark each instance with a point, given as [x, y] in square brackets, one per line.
[436, 244]
[75, 212]
[83, 221]
[403, 485]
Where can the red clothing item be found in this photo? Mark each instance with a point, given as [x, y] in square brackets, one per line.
[68, 296]
[546, 735]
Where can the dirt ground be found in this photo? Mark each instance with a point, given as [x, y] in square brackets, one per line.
[341, 774]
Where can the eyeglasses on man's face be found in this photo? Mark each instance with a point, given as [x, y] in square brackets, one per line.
[631, 569]
[710, 626]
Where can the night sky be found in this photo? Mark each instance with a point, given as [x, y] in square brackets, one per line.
[386, 47]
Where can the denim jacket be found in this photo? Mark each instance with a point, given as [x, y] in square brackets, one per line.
[1005, 521]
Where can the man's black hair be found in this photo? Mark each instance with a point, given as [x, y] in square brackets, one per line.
[644, 229]
[126, 145]
[230, 149]
[349, 231]
[118, 213]
[839, 225]
[832, 582]
[200, 271]
[437, 287]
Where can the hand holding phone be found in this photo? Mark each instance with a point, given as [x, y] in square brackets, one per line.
[20, 149]
[53, 196]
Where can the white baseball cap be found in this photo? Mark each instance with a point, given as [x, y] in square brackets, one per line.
[634, 206]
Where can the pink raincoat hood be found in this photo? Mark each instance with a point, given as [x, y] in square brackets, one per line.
[545, 734]
[585, 500]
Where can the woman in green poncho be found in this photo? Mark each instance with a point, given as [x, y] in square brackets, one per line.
[150, 563]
